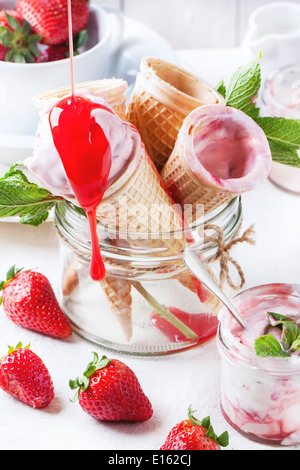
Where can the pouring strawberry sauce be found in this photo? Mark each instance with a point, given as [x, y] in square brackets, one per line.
[85, 154]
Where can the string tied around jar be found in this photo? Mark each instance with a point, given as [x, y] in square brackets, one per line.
[223, 255]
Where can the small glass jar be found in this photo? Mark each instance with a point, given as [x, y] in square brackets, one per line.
[148, 303]
[281, 98]
[260, 396]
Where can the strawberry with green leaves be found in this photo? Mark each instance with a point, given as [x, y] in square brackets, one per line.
[29, 301]
[192, 434]
[110, 391]
[49, 18]
[17, 41]
[61, 51]
[24, 376]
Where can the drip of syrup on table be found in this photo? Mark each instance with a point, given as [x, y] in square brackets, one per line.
[85, 154]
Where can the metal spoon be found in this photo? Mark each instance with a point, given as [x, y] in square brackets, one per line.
[193, 262]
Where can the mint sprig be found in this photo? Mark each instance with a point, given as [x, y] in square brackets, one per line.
[20, 197]
[283, 134]
[244, 86]
[268, 346]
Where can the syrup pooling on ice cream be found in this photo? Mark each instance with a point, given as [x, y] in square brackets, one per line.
[86, 157]
[46, 163]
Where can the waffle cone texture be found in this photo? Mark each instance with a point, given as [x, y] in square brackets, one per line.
[111, 90]
[163, 96]
[187, 189]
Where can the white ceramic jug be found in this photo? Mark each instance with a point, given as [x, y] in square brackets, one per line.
[274, 30]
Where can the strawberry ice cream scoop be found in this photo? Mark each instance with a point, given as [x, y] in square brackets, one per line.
[46, 164]
[220, 152]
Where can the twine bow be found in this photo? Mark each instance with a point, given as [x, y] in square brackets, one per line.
[223, 253]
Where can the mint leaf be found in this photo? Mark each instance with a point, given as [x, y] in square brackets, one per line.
[268, 346]
[283, 134]
[296, 344]
[221, 88]
[244, 86]
[284, 138]
[27, 200]
[289, 335]
[276, 319]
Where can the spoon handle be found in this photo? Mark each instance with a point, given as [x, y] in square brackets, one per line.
[193, 262]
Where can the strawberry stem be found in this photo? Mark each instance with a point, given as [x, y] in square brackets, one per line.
[222, 440]
[81, 384]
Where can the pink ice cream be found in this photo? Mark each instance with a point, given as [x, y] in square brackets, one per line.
[225, 148]
[46, 165]
[260, 396]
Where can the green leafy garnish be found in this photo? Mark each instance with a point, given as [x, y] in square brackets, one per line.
[284, 138]
[20, 197]
[268, 346]
[243, 88]
[283, 134]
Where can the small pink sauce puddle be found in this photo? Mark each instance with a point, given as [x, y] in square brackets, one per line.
[205, 325]
[85, 154]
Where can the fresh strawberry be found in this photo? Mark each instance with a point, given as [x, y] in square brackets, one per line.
[24, 376]
[53, 53]
[61, 51]
[110, 391]
[29, 301]
[192, 434]
[49, 18]
[17, 43]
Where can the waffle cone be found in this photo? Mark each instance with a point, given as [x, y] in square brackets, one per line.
[111, 90]
[194, 285]
[118, 293]
[163, 96]
[139, 203]
[187, 189]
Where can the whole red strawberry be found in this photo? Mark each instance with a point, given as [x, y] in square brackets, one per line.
[49, 18]
[17, 43]
[110, 391]
[192, 434]
[53, 53]
[29, 301]
[61, 51]
[24, 376]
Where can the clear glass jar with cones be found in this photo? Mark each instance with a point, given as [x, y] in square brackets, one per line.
[148, 303]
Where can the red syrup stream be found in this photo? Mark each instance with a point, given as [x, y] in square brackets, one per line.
[85, 154]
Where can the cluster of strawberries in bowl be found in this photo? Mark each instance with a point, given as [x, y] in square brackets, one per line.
[37, 31]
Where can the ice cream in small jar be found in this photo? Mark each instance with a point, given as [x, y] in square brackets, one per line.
[260, 367]
[281, 98]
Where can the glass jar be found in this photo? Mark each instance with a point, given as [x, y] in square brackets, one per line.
[148, 303]
[281, 97]
[260, 396]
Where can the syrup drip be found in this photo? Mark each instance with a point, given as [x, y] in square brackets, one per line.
[85, 154]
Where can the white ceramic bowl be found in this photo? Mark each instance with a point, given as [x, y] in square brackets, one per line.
[20, 82]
